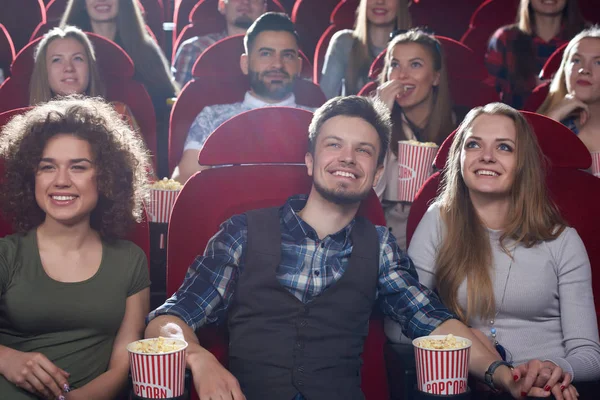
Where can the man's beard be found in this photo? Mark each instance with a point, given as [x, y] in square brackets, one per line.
[259, 87]
[243, 22]
[340, 197]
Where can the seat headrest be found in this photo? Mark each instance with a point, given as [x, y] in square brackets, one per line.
[561, 146]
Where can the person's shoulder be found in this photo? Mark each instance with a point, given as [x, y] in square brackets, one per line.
[307, 108]
[506, 32]
[124, 247]
[221, 112]
[345, 38]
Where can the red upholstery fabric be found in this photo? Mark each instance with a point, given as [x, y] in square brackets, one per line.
[537, 97]
[219, 80]
[446, 18]
[489, 16]
[20, 17]
[196, 217]
[553, 62]
[117, 71]
[262, 132]
[223, 59]
[43, 28]
[7, 51]
[461, 61]
[590, 11]
[205, 18]
[154, 17]
[312, 17]
[342, 17]
[574, 191]
[55, 9]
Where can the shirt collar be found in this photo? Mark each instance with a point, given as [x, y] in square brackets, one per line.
[299, 229]
[253, 102]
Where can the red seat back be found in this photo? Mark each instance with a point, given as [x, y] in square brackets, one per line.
[342, 17]
[553, 62]
[590, 11]
[153, 11]
[7, 51]
[311, 18]
[116, 69]
[20, 17]
[204, 18]
[445, 18]
[55, 9]
[537, 97]
[574, 191]
[489, 16]
[262, 133]
[461, 61]
[196, 218]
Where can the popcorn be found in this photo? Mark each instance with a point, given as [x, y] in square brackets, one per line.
[448, 343]
[158, 345]
[417, 143]
[166, 184]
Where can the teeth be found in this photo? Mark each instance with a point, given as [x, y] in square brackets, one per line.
[346, 174]
[63, 198]
[488, 173]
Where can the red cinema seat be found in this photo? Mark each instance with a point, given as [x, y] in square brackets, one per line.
[55, 9]
[574, 191]
[219, 80]
[537, 97]
[445, 18]
[196, 217]
[153, 11]
[205, 18]
[461, 61]
[552, 63]
[590, 11]
[342, 17]
[20, 18]
[487, 18]
[311, 18]
[7, 51]
[116, 69]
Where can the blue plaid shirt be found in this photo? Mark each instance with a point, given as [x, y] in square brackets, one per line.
[309, 266]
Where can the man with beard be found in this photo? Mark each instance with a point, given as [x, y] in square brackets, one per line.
[297, 284]
[272, 64]
[238, 14]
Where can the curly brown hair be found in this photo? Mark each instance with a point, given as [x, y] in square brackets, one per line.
[120, 157]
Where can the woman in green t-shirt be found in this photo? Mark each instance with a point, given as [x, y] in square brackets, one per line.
[72, 294]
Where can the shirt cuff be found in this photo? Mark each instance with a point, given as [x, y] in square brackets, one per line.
[175, 311]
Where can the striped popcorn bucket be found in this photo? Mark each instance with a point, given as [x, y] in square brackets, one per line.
[595, 164]
[161, 204]
[414, 167]
[157, 376]
[442, 372]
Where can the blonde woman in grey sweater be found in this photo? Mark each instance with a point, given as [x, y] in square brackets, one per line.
[496, 249]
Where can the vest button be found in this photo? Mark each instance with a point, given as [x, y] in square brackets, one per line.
[300, 369]
[303, 323]
[306, 310]
[300, 383]
[299, 344]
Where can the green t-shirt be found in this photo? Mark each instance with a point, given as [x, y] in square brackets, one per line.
[73, 324]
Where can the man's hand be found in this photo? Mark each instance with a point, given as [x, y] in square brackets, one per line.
[36, 374]
[211, 380]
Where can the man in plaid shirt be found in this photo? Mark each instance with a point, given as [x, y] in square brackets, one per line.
[238, 14]
[348, 138]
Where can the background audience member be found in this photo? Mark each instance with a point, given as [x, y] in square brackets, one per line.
[351, 52]
[64, 63]
[238, 14]
[272, 64]
[516, 53]
[121, 21]
[496, 249]
[74, 182]
[574, 97]
[414, 86]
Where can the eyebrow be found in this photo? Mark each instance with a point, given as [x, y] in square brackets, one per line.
[497, 140]
[274, 50]
[340, 139]
[583, 55]
[72, 161]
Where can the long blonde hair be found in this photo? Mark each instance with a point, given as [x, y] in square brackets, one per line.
[465, 252]
[39, 86]
[360, 58]
[440, 122]
[558, 87]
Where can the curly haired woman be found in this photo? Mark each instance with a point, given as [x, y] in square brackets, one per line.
[72, 294]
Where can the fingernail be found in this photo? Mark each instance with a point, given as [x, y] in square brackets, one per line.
[516, 377]
[547, 388]
[61, 397]
[523, 394]
[66, 388]
[562, 388]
